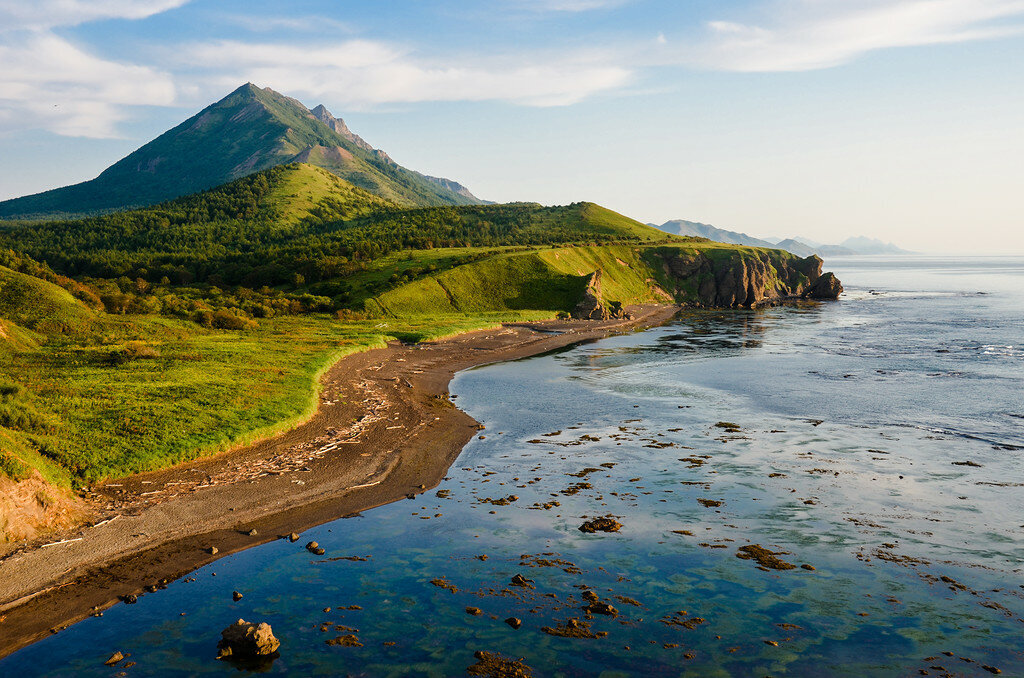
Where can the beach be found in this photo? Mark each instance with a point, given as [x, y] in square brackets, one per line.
[385, 430]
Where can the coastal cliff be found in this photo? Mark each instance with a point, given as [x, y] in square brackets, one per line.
[742, 278]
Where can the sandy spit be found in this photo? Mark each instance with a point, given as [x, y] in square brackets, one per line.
[385, 430]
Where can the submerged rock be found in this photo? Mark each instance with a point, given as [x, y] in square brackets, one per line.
[600, 525]
[494, 665]
[599, 607]
[520, 580]
[763, 557]
[247, 640]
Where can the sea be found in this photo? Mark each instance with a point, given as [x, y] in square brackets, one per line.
[821, 489]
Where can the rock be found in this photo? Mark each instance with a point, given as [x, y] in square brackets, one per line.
[514, 622]
[130, 599]
[236, 596]
[293, 537]
[245, 640]
[475, 611]
[349, 640]
[825, 287]
[213, 550]
[590, 596]
[598, 607]
[600, 525]
[494, 665]
[593, 306]
[252, 532]
[312, 546]
[114, 659]
[742, 280]
[763, 557]
[520, 580]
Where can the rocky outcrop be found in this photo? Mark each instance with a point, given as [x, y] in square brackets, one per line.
[245, 640]
[744, 278]
[593, 305]
[825, 287]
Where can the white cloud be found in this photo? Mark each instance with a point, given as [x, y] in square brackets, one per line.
[43, 14]
[363, 73]
[813, 34]
[47, 82]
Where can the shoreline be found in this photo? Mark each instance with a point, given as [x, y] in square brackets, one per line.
[384, 430]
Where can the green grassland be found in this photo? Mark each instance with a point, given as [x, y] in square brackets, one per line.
[123, 394]
[141, 339]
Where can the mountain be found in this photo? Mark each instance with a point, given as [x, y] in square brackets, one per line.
[695, 229]
[864, 245]
[803, 247]
[249, 130]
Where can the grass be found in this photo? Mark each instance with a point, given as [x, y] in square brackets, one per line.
[133, 393]
[86, 395]
[550, 279]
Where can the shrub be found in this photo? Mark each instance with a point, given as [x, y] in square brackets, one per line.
[223, 319]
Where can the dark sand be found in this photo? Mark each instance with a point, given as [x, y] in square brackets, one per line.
[384, 430]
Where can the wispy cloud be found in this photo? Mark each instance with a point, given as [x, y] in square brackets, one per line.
[44, 14]
[47, 82]
[802, 35]
[364, 73]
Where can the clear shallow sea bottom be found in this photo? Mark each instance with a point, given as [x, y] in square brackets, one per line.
[878, 440]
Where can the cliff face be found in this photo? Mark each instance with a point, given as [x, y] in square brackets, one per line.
[593, 305]
[747, 278]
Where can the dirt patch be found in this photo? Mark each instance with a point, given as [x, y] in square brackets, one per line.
[31, 507]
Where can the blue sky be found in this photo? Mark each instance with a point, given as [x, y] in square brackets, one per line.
[897, 119]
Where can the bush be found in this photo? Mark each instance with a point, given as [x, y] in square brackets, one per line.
[223, 319]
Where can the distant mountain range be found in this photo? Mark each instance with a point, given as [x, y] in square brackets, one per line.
[249, 130]
[802, 247]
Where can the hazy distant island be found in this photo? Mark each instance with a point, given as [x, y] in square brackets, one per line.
[801, 246]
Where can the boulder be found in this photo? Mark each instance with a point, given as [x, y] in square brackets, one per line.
[247, 640]
[825, 287]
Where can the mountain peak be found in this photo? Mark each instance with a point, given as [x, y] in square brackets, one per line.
[249, 130]
[338, 126]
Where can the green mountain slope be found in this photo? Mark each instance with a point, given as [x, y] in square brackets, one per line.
[249, 130]
[296, 220]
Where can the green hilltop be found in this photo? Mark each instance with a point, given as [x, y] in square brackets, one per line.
[249, 130]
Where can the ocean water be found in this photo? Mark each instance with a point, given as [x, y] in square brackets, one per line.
[878, 440]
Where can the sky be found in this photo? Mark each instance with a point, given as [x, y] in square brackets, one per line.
[901, 120]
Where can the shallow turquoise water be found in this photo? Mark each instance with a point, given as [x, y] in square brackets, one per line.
[863, 406]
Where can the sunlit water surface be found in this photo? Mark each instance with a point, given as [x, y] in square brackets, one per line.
[853, 423]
